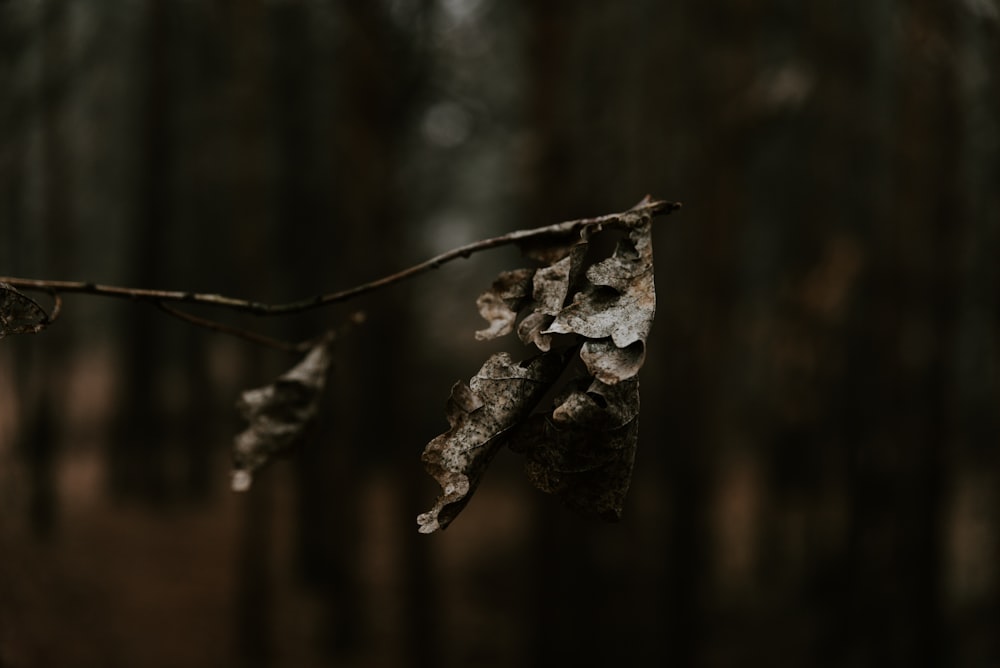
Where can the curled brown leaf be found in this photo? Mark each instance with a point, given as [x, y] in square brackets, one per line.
[615, 309]
[500, 304]
[480, 415]
[19, 313]
[279, 414]
[584, 451]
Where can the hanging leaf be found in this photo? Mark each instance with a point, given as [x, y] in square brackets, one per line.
[615, 309]
[481, 415]
[612, 307]
[279, 414]
[19, 313]
[584, 450]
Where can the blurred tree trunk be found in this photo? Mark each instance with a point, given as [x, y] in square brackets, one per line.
[701, 403]
[328, 478]
[138, 446]
[380, 75]
[901, 403]
[39, 434]
[973, 572]
[250, 216]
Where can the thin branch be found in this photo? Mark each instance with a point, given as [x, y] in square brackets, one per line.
[648, 207]
[246, 335]
[278, 344]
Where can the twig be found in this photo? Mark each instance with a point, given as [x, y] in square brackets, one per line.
[647, 208]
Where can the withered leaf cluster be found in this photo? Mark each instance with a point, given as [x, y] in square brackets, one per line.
[20, 314]
[279, 414]
[599, 309]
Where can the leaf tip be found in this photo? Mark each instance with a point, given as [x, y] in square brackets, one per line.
[428, 523]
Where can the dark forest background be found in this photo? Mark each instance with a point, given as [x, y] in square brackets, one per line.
[818, 474]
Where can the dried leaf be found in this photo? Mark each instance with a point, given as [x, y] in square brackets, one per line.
[613, 303]
[500, 304]
[481, 415]
[611, 364]
[618, 303]
[584, 451]
[531, 327]
[550, 286]
[19, 313]
[279, 414]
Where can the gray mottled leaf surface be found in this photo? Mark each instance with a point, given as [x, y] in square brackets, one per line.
[618, 303]
[582, 298]
[584, 451]
[19, 313]
[501, 303]
[279, 414]
[480, 415]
